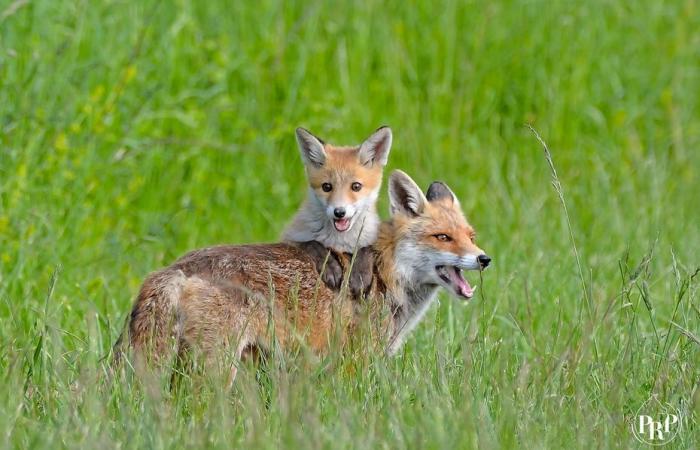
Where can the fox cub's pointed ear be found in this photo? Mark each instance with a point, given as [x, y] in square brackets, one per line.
[439, 191]
[404, 195]
[375, 150]
[311, 148]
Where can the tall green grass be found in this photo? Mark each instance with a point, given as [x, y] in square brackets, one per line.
[131, 132]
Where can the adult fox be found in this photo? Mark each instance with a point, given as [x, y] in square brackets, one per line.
[249, 297]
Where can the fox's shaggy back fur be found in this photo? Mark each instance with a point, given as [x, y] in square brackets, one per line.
[236, 297]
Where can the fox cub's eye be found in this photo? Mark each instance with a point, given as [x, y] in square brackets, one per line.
[327, 187]
[442, 237]
[356, 186]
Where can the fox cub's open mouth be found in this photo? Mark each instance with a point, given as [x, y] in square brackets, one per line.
[342, 224]
[452, 275]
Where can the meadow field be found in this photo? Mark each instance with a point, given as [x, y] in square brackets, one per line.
[132, 132]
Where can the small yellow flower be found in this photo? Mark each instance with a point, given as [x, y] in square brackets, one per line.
[61, 142]
[29, 232]
[619, 118]
[136, 183]
[667, 97]
[130, 73]
[97, 93]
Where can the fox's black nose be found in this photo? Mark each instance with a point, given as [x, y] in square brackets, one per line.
[339, 212]
[484, 261]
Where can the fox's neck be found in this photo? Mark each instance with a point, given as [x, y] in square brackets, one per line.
[311, 223]
[409, 299]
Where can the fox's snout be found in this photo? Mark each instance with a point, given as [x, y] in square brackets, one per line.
[340, 211]
[470, 261]
[484, 260]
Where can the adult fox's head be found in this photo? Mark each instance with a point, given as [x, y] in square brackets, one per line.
[433, 241]
[345, 181]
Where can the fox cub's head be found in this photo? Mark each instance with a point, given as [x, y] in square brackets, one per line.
[345, 180]
[434, 242]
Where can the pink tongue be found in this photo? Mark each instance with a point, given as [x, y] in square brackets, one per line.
[463, 287]
[341, 224]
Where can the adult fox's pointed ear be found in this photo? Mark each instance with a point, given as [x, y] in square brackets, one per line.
[440, 191]
[375, 150]
[405, 197]
[311, 148]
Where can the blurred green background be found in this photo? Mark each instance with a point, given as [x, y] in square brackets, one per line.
[131, 132]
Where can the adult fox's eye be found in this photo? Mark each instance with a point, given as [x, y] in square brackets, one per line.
[327, 187]
[356, 186]
[442, 237]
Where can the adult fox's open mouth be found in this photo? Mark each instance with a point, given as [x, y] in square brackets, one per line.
[453, 277]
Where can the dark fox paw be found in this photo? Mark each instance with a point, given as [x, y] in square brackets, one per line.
[362, 272]
[326, 262]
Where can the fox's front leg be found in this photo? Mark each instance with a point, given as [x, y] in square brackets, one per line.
[362, 272]
[326, 262]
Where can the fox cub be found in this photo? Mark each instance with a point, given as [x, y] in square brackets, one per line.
[340, 209]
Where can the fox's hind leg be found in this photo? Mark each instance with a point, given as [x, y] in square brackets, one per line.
[153, 330]
[219, 321]
[238, 358]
